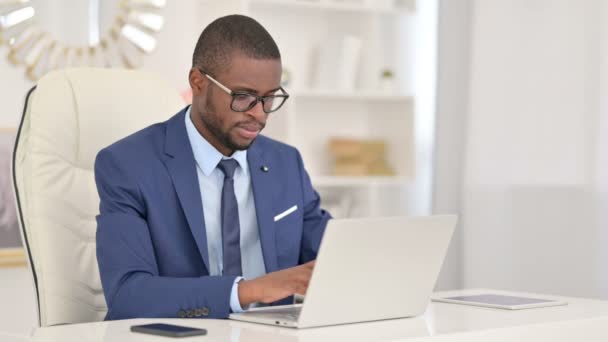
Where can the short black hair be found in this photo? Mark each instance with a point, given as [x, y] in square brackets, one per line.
[229, 34]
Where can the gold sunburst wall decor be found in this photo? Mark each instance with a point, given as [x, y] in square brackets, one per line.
[130, 37]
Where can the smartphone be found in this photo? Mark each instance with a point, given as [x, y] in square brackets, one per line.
[168, 330]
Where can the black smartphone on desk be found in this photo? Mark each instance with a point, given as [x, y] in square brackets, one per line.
[168, 330]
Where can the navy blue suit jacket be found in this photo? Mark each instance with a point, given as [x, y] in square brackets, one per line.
[151, 240]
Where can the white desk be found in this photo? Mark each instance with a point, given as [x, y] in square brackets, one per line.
[581, 319]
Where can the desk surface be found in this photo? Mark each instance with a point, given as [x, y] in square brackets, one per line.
[441, 322]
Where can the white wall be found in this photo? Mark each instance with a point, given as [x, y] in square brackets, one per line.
[533, 153]
[18, 312]
[522, 138]
[13, 86]
[184, 21]
[452, 110]
[424, 69]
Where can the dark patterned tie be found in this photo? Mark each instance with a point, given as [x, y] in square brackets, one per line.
[231, 231]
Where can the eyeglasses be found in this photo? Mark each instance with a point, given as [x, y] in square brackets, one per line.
[243, 101]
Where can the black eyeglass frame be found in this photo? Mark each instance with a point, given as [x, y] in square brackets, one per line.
[262, 99]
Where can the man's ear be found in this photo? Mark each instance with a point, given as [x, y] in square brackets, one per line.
[198, 82]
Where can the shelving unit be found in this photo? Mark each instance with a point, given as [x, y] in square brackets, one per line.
[357, 181]
[366, 95]
[377, 6]
[316, 111]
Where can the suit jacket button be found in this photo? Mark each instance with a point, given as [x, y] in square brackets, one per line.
[181, 314]
[205, 311]
[198, 312]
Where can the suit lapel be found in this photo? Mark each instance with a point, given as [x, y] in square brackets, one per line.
[263, 188]
[180, 162]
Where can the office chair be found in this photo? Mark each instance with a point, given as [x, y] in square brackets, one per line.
[68, 117]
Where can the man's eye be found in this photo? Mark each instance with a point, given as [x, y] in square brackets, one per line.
[243, 97]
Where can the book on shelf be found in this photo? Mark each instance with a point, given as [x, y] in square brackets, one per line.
[369, 150]
[338, 64]
[361, 168]
[357, 157]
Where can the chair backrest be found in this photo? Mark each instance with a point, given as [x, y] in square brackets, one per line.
[68, 117]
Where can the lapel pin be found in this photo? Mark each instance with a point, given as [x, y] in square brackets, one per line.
[264, 168]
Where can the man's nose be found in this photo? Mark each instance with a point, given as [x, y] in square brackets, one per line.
[258, 112]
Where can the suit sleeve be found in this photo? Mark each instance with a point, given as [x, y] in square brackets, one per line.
[315, 218]
[129, 273]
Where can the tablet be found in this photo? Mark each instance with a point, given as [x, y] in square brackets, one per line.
[500, 301]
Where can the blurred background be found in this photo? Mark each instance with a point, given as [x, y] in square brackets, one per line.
[493, 110]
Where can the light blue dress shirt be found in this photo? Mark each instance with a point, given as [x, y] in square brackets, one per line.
[210, 181]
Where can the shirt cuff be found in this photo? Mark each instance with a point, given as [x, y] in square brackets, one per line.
[235, 303]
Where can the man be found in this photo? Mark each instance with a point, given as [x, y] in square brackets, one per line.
[200, 215]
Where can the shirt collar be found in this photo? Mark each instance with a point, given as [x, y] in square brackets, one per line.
[207, 157]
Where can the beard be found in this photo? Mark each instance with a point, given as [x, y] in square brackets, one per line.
[212, 123]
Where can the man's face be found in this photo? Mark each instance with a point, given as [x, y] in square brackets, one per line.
[224, 128]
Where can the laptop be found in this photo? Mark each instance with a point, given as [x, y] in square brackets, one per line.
[367, 269]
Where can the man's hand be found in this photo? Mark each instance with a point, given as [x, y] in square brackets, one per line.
[276, 285]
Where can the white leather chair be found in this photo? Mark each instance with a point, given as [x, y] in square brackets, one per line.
[68, 117]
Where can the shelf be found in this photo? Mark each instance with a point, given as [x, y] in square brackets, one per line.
[337, 6]
[349, 181]
[336, 51]
[356, 95]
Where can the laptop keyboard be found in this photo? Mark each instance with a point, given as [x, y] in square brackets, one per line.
[288, 314]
